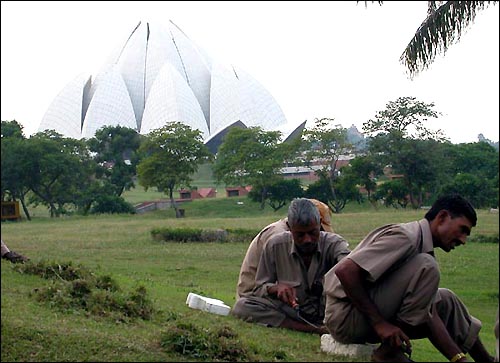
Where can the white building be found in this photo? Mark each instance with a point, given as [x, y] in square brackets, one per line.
[159, 75]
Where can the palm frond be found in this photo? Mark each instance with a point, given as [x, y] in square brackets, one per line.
[442, 27]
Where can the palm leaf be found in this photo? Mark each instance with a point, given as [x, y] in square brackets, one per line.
[442, 27]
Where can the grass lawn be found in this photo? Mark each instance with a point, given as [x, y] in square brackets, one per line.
[120, 246]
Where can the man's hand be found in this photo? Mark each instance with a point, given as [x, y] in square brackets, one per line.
[285, 293]
[392, 335]
[15, 257]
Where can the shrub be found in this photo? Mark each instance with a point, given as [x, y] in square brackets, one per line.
[203, 235]
[112, 204]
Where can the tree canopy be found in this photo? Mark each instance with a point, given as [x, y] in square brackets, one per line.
[170, 156]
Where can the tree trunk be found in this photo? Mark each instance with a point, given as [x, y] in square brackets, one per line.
[263, 198]
[172, 202]
[25, 209]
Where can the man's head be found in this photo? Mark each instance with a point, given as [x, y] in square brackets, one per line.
[324, 215]
[304, 224]
[451, 218]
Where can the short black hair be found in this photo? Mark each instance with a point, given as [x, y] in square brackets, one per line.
[456, 205]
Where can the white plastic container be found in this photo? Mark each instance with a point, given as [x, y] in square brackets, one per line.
[214, 306]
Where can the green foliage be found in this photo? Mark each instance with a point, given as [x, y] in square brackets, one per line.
[404, 118]
[111, 204]
[251, 156]
[203, 235]
[279, 193]
[363, 171]
[12, 129]
[61, 171]
[323, 147]
[170, 156]
[115, 149]
[393, 193]
[221, 345]
[400, 139]
[337, 193]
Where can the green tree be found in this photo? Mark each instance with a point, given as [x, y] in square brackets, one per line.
[322, 149]
[364, 170]
[251, 156]
[116, 154]
[14, 175]
[479, 158]
[477, 190]
[280, 193]
[61, 171]
[171, 154]
[404, 118]
[399, 138]
[393, 193]
[12, 129]
[345, 189]
[473, 170]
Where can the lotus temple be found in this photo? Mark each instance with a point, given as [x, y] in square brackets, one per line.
[157, 76]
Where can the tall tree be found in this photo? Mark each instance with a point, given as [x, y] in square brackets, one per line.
[171, 154]
[61, 170]
[364, 170]
[115, 149]
[251, 156]
[12, 129]
[280, 193]
[323, 147]
[404, 118]
[400, 139]
[15, 176]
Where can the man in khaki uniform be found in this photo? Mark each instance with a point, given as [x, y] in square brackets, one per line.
[386, 291]
[288, 289]
[246, 280]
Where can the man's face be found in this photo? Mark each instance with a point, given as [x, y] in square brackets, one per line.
[306, 237]
[451, 232]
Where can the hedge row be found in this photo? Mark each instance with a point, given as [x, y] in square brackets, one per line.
[203, 235]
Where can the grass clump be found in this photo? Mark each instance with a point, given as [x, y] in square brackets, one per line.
[74, 288]
[51, 270]
[221, 345]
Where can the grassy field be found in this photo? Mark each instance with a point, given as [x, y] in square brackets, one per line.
[120, 246]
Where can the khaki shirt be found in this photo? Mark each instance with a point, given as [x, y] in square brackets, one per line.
[280, 262]
[246, 280]
[384, 250]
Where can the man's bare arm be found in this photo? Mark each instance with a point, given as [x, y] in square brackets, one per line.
[353, 279]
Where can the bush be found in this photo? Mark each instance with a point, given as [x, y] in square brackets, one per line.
[203, 235]
[112, 204]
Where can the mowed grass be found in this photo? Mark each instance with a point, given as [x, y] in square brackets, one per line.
[121, 246]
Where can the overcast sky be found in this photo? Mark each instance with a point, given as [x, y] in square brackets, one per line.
[318, 59]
